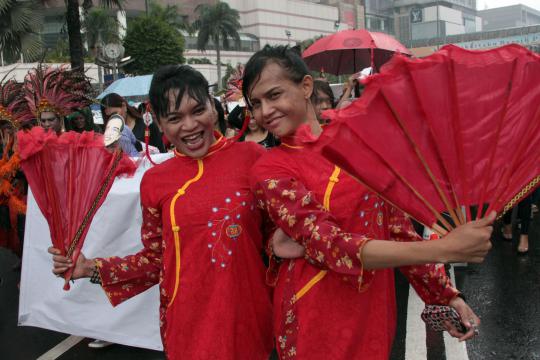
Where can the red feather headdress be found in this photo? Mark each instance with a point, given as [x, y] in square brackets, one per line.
[13, 108]
[57, 90]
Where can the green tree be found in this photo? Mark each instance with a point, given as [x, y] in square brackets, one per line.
[20, 23]
[60, 53]
[100, 26]
[152, 43]
[303, 45]
[171, 14]
[73, 21]
[218, 23]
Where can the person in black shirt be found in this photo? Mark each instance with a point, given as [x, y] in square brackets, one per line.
[254, 132]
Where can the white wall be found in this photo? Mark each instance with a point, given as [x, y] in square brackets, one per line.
[209, 71]
[454, 29]
[478, 23]
[269, 20]
[445, 14]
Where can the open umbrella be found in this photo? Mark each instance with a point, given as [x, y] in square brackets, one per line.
[349, 51]
[129, 86]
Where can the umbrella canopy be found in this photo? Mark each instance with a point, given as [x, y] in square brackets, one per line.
[349, 51]
[130, 86]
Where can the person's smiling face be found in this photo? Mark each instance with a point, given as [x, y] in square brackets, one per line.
[190, 127]
[279, 104]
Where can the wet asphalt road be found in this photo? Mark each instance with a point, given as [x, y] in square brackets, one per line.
[504, 291]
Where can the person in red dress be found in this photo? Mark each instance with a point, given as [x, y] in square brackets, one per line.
[201, 234]
[335, 300]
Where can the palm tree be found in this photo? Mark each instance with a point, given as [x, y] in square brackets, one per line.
[218, 23]
[20, 22]
[171, 15]
[73, 21]
[99, 27]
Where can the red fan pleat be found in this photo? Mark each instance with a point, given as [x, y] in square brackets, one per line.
[458, 129]
[70, 176]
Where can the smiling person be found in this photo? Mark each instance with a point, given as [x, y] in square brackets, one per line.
[201, 234]
[334, 299]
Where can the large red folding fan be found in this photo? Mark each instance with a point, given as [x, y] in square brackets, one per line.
[70, 176]
[451, 133]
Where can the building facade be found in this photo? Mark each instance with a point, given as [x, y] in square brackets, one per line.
[509, 17]
[427, 19]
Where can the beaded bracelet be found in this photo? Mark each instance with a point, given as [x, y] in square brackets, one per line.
[95, 278]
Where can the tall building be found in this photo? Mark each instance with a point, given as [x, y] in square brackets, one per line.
[509, 17]
[379, 15]
[427, 19]
[285, 21]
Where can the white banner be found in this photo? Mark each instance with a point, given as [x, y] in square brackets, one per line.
[85, 310]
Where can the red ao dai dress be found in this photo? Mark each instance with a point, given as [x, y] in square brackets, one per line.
[326, 306]
[202, 242]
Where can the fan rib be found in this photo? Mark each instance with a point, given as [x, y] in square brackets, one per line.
[429, 121]
[440, 230]
[421, 157]
[456, 125]
[487, 177]
[53, 199]
[90, 213]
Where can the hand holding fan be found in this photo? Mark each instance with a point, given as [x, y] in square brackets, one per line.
[70, 176]
[456, 130]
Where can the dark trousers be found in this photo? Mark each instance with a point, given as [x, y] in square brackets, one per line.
[523, 215]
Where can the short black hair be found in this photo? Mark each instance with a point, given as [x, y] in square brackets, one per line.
[289, 60]
[324, 87]
[176, 77]
[115, 100]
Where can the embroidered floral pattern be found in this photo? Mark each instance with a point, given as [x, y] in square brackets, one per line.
[429, 281]
[225, 226]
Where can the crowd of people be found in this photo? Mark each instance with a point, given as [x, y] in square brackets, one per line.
[256, 241]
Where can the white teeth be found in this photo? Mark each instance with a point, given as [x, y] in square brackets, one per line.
[192, 137]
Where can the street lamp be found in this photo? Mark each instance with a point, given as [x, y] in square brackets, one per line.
[288, 34]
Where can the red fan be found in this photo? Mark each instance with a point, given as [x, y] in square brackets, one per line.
[456, 130]
[70, 176]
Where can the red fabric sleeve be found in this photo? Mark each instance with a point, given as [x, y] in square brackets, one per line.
[123, 278]
[296, 211]
[429, 281]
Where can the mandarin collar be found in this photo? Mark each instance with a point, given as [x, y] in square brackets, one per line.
[300, 138]
[219, 144]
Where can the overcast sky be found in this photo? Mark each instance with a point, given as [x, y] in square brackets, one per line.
[481, 4]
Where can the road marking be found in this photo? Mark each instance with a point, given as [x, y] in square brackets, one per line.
[455, 350]
[415, 338]
[61, 348]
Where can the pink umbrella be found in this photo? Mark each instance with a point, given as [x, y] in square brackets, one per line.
[349, 51]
